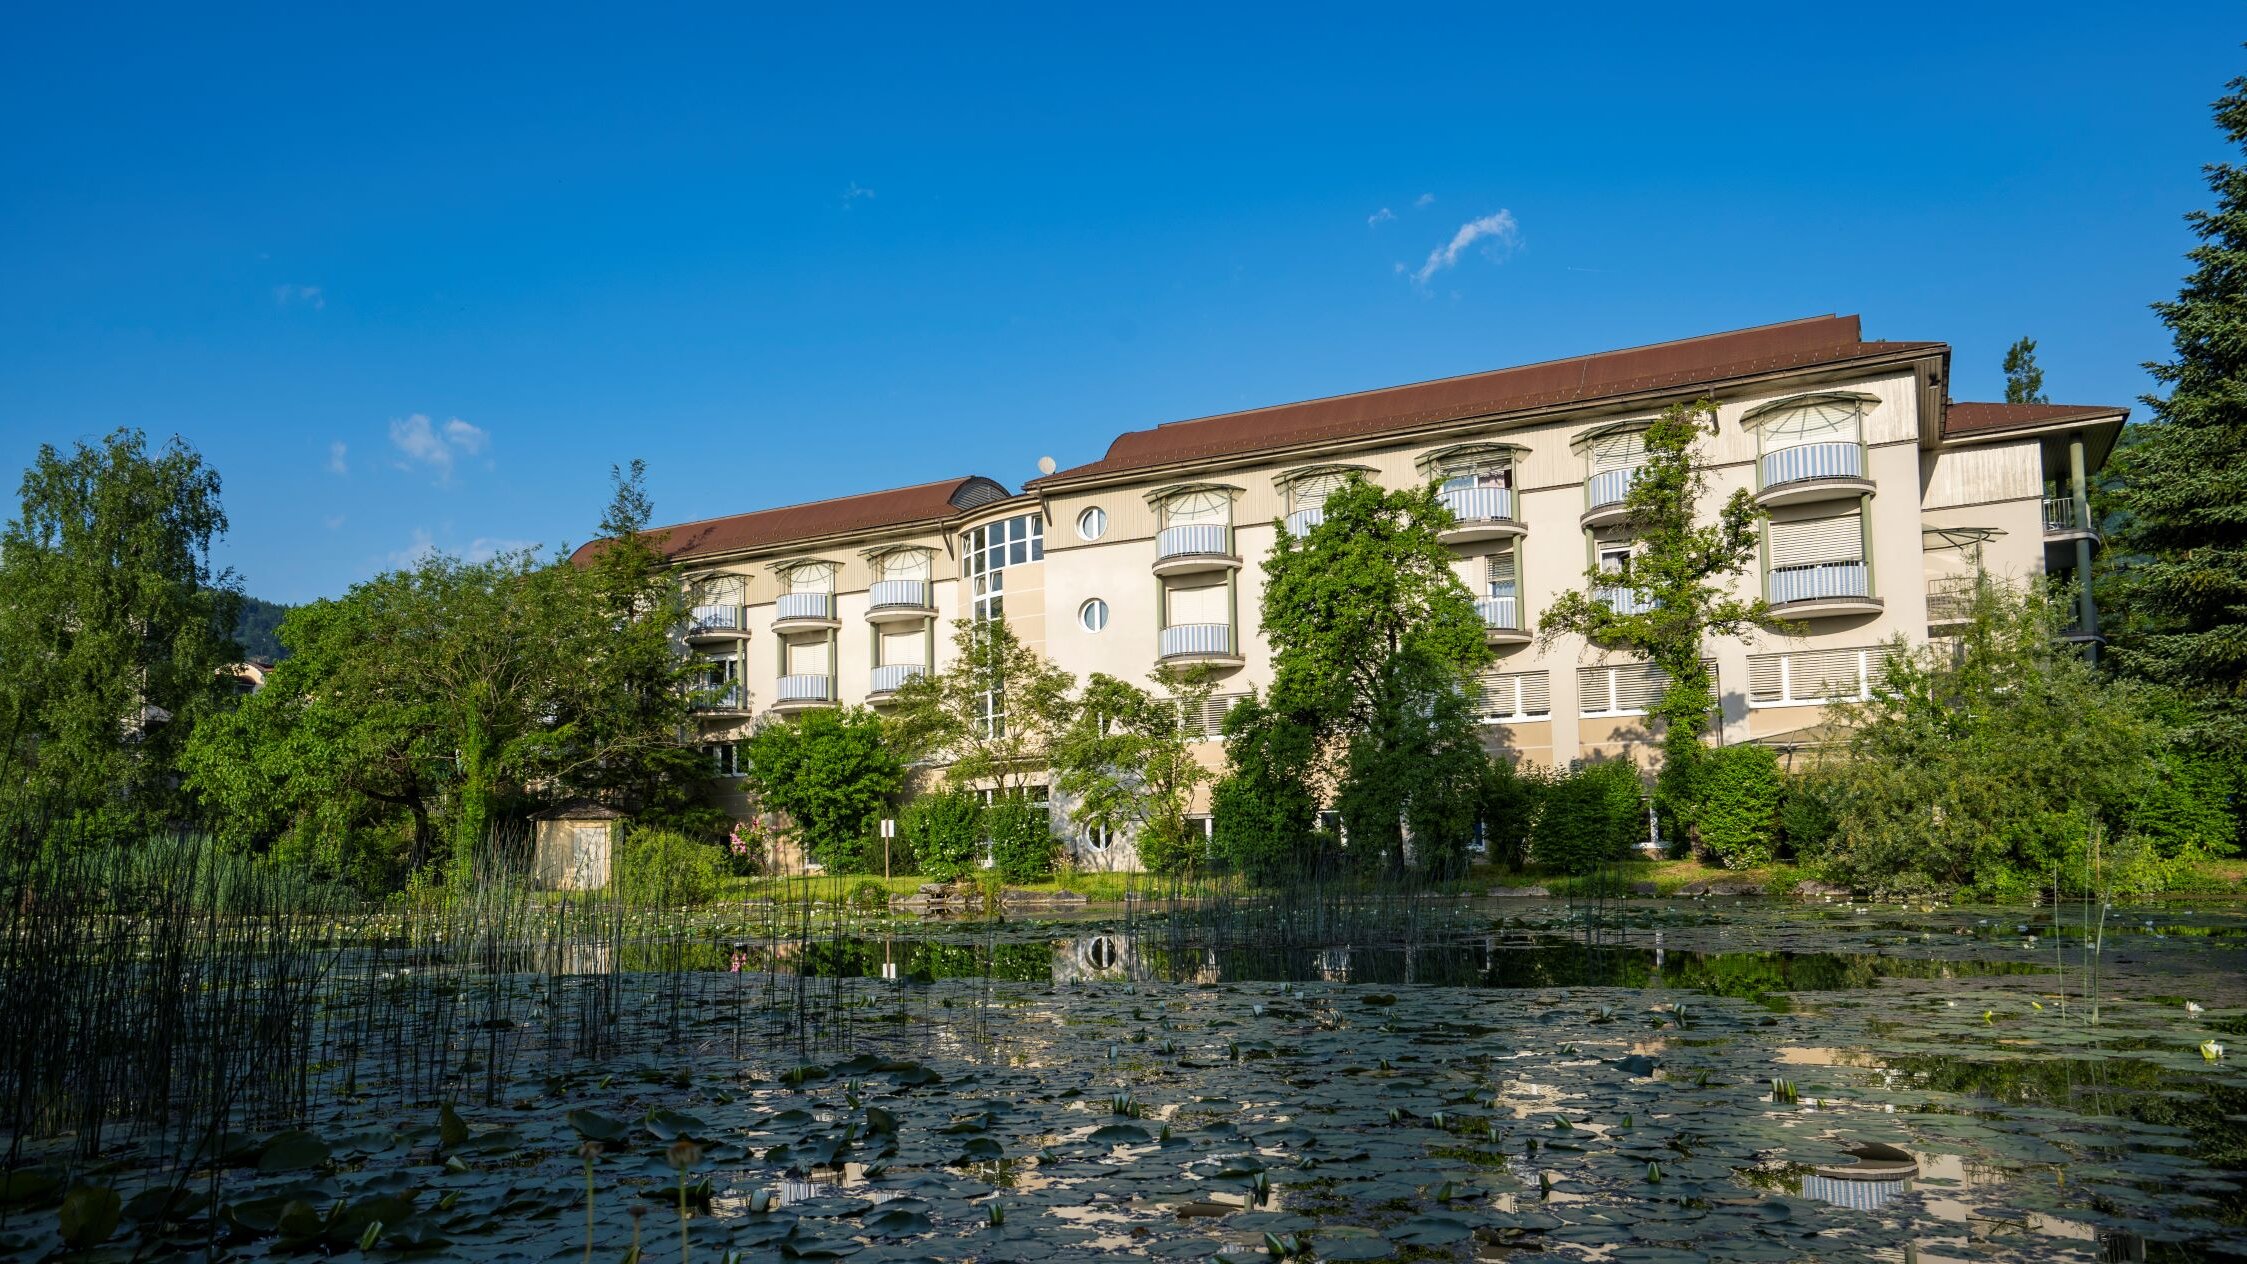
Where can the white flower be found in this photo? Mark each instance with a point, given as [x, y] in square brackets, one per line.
[2194, 1008]
[2212, 1051]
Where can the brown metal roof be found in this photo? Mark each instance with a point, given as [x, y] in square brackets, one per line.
[846, 515]
[1966, 418]
[1687, 363]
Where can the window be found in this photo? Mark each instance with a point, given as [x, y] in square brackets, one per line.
[1191, 508]
[811, 577]
[1813, 676]
[1515, 696]
[1617, 451]
[1097, 840]
[902, 564]
[1498, 573]
[1468, 473]
[1810, 541]
[725, 758]
[1625, 688]
[986, 553]
[1311, 490]
[1092, 523]
[1093, 615]
[1202, 603]
[1211, 720]
[1827, 421]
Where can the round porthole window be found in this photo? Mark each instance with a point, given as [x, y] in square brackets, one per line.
[1092, 523]
[1093, 615]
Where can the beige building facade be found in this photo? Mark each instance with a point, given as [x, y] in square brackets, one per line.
[1884, 497]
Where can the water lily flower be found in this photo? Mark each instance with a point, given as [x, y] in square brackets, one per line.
[2211, 1051]
[2194, 1008]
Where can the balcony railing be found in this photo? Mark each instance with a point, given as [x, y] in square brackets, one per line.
[891, 677]
[1500, 613]
[896, 594]
[718, 698]
[1198, 539]
[1609, 487]
[1950, 599]
[722, 618]
[2060, 514]
[1300, 523]
[1817, 581]
[1480, 504]
[805, 687]
[1623, 600]
[1197, 639]
[1813, 460]
[805, 605]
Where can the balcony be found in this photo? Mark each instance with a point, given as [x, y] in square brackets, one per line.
[898, 601]
[1623, 600]
[1301, 522]
[1822, 590]
[2062, 522]
[803, 691]
[1194, 547]
[1200, 642]
[1483, 513]
[719, 698]
[1501, 619]
[714, 622]
[1950, 600]
[1604, 493]
[1813, 471]
[804, 610]
[891, 677]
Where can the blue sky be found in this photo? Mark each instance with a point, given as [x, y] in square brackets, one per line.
[414, 276]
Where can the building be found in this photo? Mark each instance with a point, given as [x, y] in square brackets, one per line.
[1884, 496]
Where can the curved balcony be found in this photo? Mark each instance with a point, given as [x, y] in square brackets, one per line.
[1201, 642]
[1604, 493]
[891, 677]
[1483, 513]
[898, 601]
[1300, 523]
[706, 623]
[1501, 619]
[1817, 590]
[1813, 471]
[803, 691]
[1623, 600]
[804, 610]
[727, 698]
[1198, 546]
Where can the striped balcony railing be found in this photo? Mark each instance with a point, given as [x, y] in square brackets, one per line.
[1300, 523]
[1197, 640]
[727, 698]
[897, 594]
[1199, 539]
[1480, 504]
[805, 687]
[1502, 613]
[1623, 600]
[2060, 515]
[1813, 460]
[805, 605]
[723, 618]
[1609, 487]
[891, 677]
[1819, 580]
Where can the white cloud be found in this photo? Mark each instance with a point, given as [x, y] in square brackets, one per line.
[423, 443]
[299, 295]
[1424, 200]
[423, 547]
[339, 457]
[485, 548]
[1382, 216]
[332, 521]
[853, 193]
[1499, 234]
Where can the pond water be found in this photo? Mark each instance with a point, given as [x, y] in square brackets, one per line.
[1458, 1080]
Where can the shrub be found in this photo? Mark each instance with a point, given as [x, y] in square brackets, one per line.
[1806, 822]
[661, 867]
[869, 894]
[1022, 841]
[944, 832]
[1510, 794]
[1738, 817]
[1588, 818]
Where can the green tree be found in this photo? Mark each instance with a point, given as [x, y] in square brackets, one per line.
[2024, 381]
[1265, 812]
[1412, 781]
[2177, 515]
[832, 772]
[944, 831]
[1587, 818]
[1127, 763]
[1681, 569]
[113, 630]
[1741, 790]
[2004, 761]
[1511, 793]
[993, 717]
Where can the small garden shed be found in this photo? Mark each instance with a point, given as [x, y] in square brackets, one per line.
[573, 846]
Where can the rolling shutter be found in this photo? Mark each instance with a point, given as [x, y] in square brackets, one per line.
[1766, 674]
[807, 658]
[1840, 538]
[1515, 695]
[1627, 688]
[1498, 568]
[1825, 674]
[1203, 604]
[899, 648]
[1210, 721]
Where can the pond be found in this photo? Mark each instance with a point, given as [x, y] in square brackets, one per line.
[1429, 1079]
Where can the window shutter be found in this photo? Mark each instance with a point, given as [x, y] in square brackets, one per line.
[1808, 540]
[1638, 686]
[1617, 451]
[1824, 674]
[900, 648]
[1515, 695]
[1499, 567]
[807, 658]
[1764, 677]
[1211, 721]
[1203, 604]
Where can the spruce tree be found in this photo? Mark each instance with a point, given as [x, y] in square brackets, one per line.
[2178, 511]
[2024, 381]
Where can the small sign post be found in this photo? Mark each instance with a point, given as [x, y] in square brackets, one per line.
[889, 831]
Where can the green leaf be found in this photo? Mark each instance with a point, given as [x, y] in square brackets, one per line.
[89, 1215]
[452, 1130]
[293, 1152]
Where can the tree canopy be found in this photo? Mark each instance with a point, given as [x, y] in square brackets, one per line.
[1126, 763]
[833, 773]
[993, 717]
